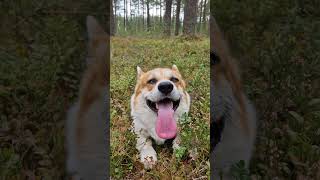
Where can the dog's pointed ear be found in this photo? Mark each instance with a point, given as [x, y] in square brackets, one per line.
[94, 29]
[139, 71]
[98, 41]
[175, 68]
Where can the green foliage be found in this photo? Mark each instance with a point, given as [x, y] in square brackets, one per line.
[277, 44]
[192, 58]
[239, 171]
[136, 28]
[10, 163]
[42, 57]
[180, 152]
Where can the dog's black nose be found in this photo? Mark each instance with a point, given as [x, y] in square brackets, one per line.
[165, 87]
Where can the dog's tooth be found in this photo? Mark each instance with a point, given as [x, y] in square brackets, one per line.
[157, 106]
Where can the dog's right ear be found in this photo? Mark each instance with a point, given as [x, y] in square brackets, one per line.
[175, 68]
[98, 41]
[139, 72]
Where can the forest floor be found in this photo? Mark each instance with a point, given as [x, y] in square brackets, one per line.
[192, 59]
[280, 70]
[284, 91]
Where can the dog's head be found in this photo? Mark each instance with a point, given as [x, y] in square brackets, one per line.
[226, 86]
[161, 91]
[160, 86]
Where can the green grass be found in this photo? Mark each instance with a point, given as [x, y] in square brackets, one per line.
[42, 59]
[192, 59]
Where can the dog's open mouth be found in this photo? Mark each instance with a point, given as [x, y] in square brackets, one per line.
[167, 101]
[166, 126]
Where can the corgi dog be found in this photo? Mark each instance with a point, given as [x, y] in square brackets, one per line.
[86, 126]
[159, 100]
[233, 118]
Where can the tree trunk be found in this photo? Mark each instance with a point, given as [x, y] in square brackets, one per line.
[204, 13]
[167, 18]
[190, 17]
[127, 21]
[143, 15]
[160, 11]
[200, 15]
[148, 16]
[172, 16]
[112, 23]
[178, 17]
[138, 17]
[124, 15]
[115, 16]
[130, 5]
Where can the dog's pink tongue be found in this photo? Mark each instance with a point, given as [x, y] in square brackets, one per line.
[166, 127]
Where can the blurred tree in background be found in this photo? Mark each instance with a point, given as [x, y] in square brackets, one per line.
[160, 17]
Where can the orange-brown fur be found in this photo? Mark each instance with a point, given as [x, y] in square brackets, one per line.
[227, 68]
[95, 77]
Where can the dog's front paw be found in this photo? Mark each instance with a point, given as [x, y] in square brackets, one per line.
[148, 156]
[149, 161]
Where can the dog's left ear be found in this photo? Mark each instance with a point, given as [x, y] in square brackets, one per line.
[139, 71]
[175, 68]
[94, 29]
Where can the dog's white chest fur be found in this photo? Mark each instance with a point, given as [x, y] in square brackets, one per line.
[88, 159]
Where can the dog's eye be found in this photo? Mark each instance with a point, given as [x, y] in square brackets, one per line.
[152, 81]
[173, 79]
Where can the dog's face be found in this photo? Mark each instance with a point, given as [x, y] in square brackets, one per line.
[160, 85]
[161, 91]
[226, 85]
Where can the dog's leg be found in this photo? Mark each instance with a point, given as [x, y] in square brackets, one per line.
[159, 141]
[148, 155]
